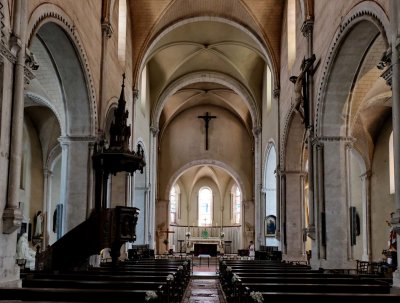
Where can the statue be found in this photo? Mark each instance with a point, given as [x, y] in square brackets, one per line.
[301, 98]
[38, 225]
[25, 252]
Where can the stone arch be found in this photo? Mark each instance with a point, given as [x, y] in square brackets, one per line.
[292, 123]
[51, 13]
[359, 27]
[265, 53]
[207, 77]
[209, 162]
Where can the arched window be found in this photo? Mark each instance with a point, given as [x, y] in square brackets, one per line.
[391, 165]
[205, 206]
[268, 88]
[291, 32]
[122, 30]
[174, 203]
[236, 204]
[143, 90]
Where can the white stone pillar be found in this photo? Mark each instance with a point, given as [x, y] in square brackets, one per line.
[318, 246]
[293, 214]
[395, 25]
[12, 216]
[47, 176]
[153, 181]
[307, 30]
[74, 179]
[366, 228]
[258, 215]
[283, 212]
[90, 187]
[336, 207]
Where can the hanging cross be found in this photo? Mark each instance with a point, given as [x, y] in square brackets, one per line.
[206, 119]
[167, 232]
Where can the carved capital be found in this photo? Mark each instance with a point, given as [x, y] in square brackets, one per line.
[276, 92]
[310, 230]
[154, 130]
[12, 218]
[385, 65]
[257, 130]
[107, 29]
[135, 94]
[15, 45]
[307, 27]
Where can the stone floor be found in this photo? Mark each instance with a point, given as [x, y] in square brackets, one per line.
[203, 291]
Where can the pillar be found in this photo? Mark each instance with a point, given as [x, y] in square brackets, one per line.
[258, 214]
[12, 216]
[74, 179]
[366, 228]
[153, 181]
[395, 82]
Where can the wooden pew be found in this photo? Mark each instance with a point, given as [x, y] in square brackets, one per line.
[77, 295]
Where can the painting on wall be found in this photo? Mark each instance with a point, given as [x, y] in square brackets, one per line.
[270, 226]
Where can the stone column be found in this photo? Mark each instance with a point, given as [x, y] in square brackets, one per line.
[293, 215]
[107, 32]
[395, 82]
[90, 187]
[257, 187]
[283, 212]
[366, 228]
[318, 246]
[307, 30]
[12, 216]
[276, 94]
[74, 179]
[47, 176]
[152, 185]
[336, 209]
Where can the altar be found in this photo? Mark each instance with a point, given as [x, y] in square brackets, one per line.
[211, 246]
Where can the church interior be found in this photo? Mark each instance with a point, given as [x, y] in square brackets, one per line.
[139, 138]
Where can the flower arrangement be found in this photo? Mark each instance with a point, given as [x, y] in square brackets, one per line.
[170, 277]
[185, 263]
[257, 296]
[234, 278]
[188, 234]
[150, 295]
[228, 268]
[180, 267]
[223, 262]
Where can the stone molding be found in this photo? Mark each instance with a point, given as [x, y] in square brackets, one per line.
[366, 10]
[307, 27]
[7, 54]
[107, 29]
[48, 12]
[217, 163]
[210, 77]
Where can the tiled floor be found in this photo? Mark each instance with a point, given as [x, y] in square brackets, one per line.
[203, 291]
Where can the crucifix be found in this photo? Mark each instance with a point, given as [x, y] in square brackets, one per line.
[206, 119]
[301, 90]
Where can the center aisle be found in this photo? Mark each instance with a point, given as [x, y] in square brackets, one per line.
[204, 286]
[203, 291]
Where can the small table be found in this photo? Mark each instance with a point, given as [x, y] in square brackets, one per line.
[205, 257]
